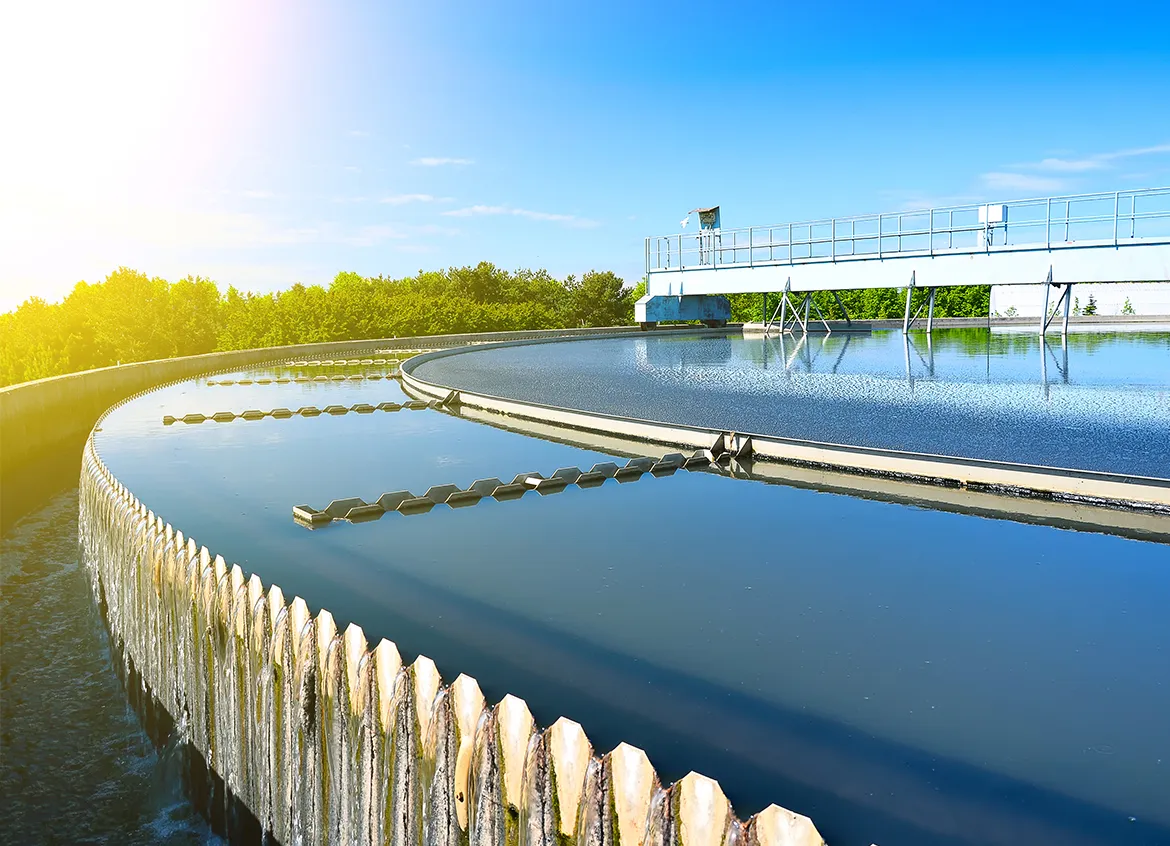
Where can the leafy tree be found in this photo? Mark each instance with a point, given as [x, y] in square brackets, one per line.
[600, 298]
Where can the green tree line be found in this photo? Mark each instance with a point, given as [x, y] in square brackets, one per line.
[133, 317]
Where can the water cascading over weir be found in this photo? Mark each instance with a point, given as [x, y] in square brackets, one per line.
[302, 734]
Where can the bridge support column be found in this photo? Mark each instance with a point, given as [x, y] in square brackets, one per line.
[930, 314]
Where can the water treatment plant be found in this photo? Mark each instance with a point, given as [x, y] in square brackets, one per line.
[673, 586]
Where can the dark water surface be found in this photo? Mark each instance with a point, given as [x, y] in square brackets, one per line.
[903, 676]
[75, 764]
[1100, 402]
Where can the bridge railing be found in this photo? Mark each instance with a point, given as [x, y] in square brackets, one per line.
[1117, 218]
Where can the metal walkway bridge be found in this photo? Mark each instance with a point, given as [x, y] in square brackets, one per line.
[1122, 236]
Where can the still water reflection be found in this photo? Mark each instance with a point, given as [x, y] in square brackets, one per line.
[899, 674]
[1096, 401]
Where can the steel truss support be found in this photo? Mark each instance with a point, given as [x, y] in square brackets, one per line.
[907, 319]
[781, 309]
[797, 310]
[1065, 299]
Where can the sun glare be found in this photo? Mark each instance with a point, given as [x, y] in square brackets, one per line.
[113, 111]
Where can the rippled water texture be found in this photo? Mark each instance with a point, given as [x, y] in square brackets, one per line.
[1101, 403]
[75, 764]
[903, 676]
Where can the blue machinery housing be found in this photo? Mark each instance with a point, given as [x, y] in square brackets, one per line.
[1122, 236]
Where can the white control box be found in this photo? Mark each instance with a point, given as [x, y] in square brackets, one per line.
[991, 214]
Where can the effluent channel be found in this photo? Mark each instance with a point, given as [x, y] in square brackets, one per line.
[900, 672]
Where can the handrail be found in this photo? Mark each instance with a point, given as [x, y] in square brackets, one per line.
[1099, 219]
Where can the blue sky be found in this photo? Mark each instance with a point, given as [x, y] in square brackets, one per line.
[264, 144]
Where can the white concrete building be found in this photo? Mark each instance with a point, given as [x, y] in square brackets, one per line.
[1148, 298]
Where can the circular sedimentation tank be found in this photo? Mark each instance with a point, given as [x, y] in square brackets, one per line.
[549, 619]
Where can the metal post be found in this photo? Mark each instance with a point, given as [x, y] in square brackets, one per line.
[879, 236]
[807, 301]
[1067, 303]
[909, 295]
[680, 256]
[821, 315]
[844, 310]
[1116, 204]
[930, 313]
[784, 305]
[1044, 311]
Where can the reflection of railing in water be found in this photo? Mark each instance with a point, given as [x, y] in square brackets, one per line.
[807, 354]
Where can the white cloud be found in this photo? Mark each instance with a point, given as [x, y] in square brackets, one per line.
[912, 199]
[1056, 172]
[256, 195]
[1069, 165]
[1099, 161]
[481, 211]
[403, 199]
[369, 236]
[1006, 181]
[436, 161]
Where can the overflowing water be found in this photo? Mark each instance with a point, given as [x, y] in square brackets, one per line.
[75, 763]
